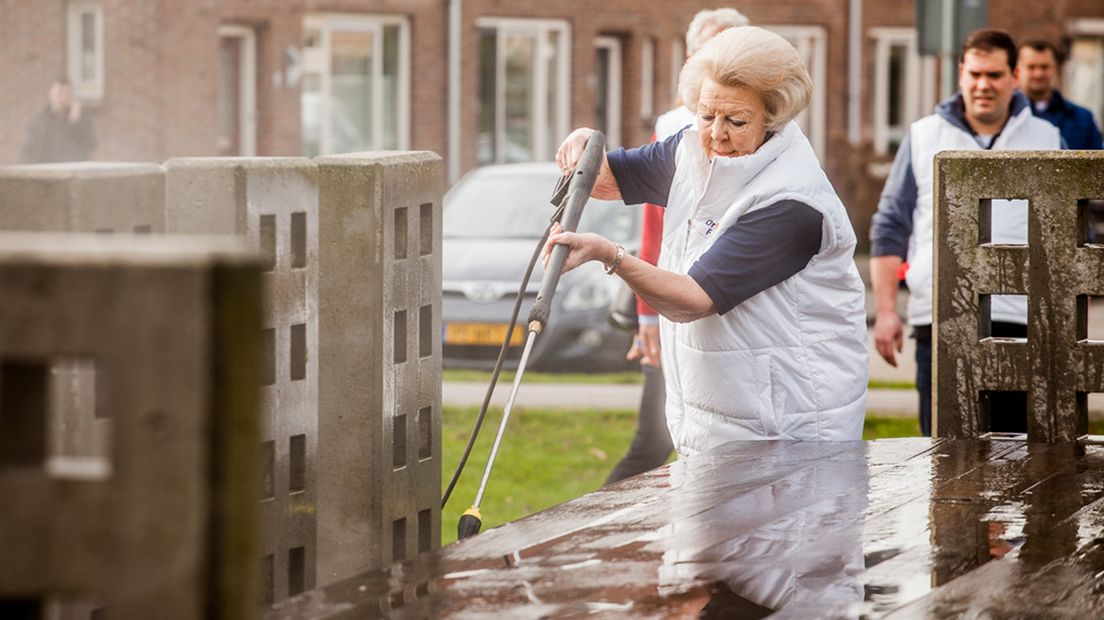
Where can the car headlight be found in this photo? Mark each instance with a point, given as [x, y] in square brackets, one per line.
[590, 294]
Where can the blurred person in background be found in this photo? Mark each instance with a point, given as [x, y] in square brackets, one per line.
[651, 445]
[60, 131]
[987, 113]
[761, 307]
[1038, 77]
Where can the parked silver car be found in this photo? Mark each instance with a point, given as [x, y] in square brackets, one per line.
[493, 218]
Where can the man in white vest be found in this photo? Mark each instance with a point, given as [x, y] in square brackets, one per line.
[987, 113]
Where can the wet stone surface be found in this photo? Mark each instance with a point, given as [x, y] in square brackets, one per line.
[894, 528]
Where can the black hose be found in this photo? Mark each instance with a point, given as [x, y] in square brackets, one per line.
[499, 362]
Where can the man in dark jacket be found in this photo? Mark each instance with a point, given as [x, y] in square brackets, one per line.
[59, 132]
[1038, 76]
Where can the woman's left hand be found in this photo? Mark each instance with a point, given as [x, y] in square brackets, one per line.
[583, 247]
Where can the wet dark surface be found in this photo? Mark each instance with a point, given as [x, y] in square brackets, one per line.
[896, 528]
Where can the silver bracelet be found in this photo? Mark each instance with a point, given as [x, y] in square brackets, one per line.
[612, 269]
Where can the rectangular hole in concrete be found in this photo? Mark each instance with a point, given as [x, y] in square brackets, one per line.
[143, 229]
[78, 440]
[425, 433]
[400, 233]
[23, 413]
[1090, 319]
[1002, 411]
[297, 570]
[425, 530]
[268, 356]
[22, 608]
[1090, 222]
[268, 469]
[398, 540]
[997, 315]
[400, 336]
[1089, 405]
[297, 463]
[268, 580]
[422, 589]
[425, 331]
[425, 229]
[298, 240]
[1002, 221]
[298, 352]
[267, 239]
[398, 446]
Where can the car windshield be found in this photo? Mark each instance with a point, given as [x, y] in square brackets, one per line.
[516, 206]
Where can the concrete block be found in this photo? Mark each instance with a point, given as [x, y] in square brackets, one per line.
[273, 203]
[1057, 365]
[379, 313]
[83, 197]
[161, 526]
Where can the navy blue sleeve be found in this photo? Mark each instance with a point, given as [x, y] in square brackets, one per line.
[762, 249]
[644, 173]
[891, 226]
[1093, 139]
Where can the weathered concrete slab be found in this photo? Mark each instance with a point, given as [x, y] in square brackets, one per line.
[81, 197]
[379, 313]
[161, 526]
[790, 529]
[272, 203]
[1057, 366]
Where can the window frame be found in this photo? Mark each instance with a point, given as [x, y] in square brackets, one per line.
[90, 90]
[537, 29]
[812, 43]
[647, 78]
[613, 87]
[247, 85]
[1093, 30]
[884, 39]
[326, 24]
[678, 58]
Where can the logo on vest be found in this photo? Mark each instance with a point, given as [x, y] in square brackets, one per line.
[707, 227]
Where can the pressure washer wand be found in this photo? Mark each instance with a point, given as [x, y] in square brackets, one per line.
[578, 193]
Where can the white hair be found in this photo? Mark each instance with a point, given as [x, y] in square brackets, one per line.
[753, 58]
[721, 18]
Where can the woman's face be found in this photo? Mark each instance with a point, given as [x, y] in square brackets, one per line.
[732, 120]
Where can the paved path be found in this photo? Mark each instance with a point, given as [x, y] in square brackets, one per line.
[901, 402]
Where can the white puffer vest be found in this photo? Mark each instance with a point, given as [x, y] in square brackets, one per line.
[790, 362]
[931, 135]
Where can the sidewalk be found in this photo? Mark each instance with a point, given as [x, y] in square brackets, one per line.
[881, 401]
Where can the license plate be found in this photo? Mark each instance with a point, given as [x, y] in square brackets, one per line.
[481, 333]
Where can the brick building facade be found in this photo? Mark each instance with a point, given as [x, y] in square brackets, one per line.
[289, 77]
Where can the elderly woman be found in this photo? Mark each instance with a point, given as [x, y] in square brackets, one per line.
[762, 316]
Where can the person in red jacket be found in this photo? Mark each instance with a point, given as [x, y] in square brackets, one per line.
[651, 446]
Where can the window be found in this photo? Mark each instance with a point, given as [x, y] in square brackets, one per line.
[523, 89]
[608, 88]
[1083, 81]
[897, 84]
[356, 83]
[85, 40]
[810, 44]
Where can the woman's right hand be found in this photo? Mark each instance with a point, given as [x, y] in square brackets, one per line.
[571, 149]
[569, 154]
